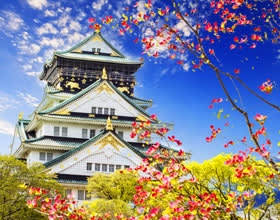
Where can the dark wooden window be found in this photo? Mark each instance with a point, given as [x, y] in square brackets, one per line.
[92, 133]
[97, 167]
[104, 167]
[89, 166]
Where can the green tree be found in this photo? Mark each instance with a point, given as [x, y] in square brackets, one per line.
[15, 179]
[114, 193]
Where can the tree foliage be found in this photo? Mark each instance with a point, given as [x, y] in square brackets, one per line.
[15, 179]
[114, 193]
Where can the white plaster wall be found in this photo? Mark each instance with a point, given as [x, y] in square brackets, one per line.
[104, 100]
[74, 130]
[34, 156]
[104, 157]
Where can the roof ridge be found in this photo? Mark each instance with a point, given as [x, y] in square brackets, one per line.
[88, 39]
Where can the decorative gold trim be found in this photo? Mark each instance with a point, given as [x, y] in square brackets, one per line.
[97, 38]
[109, 140]
[109, 126]
[72, 85]
[104, 87]
[115, 54]
[91, 115]
[104, 73]
[114, 117]
[64, 111]
[78, 50]
[123, 89]
[141, 118]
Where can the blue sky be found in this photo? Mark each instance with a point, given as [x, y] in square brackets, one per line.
[30, 30]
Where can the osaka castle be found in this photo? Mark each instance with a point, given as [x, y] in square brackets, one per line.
[84, 121]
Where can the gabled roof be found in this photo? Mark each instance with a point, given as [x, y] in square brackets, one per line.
[95, 40]
[89, 88]
[92, 140]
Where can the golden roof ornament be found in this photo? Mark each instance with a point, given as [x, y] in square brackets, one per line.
[104, 73]
[109, 126]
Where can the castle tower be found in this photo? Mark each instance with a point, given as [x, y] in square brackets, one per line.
[83, 123]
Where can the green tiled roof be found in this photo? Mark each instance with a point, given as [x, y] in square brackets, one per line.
[98, 58]
[71, 152]
[88, 39]
[136, 99]
[20, 125]
[51, 141]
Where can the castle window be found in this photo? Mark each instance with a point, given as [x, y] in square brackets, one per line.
[104, 167]
[84, 133]
[89, 166]
[118, 167]
[49, 156]
[56, 131]
[112, 111]
[42, 156]
[93, 50]
[126, 166]
[99, 110]
[120, 133]
[64, 131]
[93, 110]
[81, 194]
[97, 167]
[98, 50]
[111, 168]
[106, 111]
[92, 133]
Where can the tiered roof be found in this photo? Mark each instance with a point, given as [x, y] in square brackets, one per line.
[83, 51]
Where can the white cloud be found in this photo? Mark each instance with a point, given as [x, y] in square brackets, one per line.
[32, 49]
[6, 127]
[163, 72]
[32, 73]
[48, 53]
[181, 26]
[37, 60]
[63, 20]
[97, 5]
[7, 102]
[36, 20]
[47, 28]
[50, 13]
[75, 37]
[27, 67]
[74, 25]
[186, 67]
[81, 16]
[37, 4]
[64, 31]
[29, 99]
[10, 22]
[54, 42]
